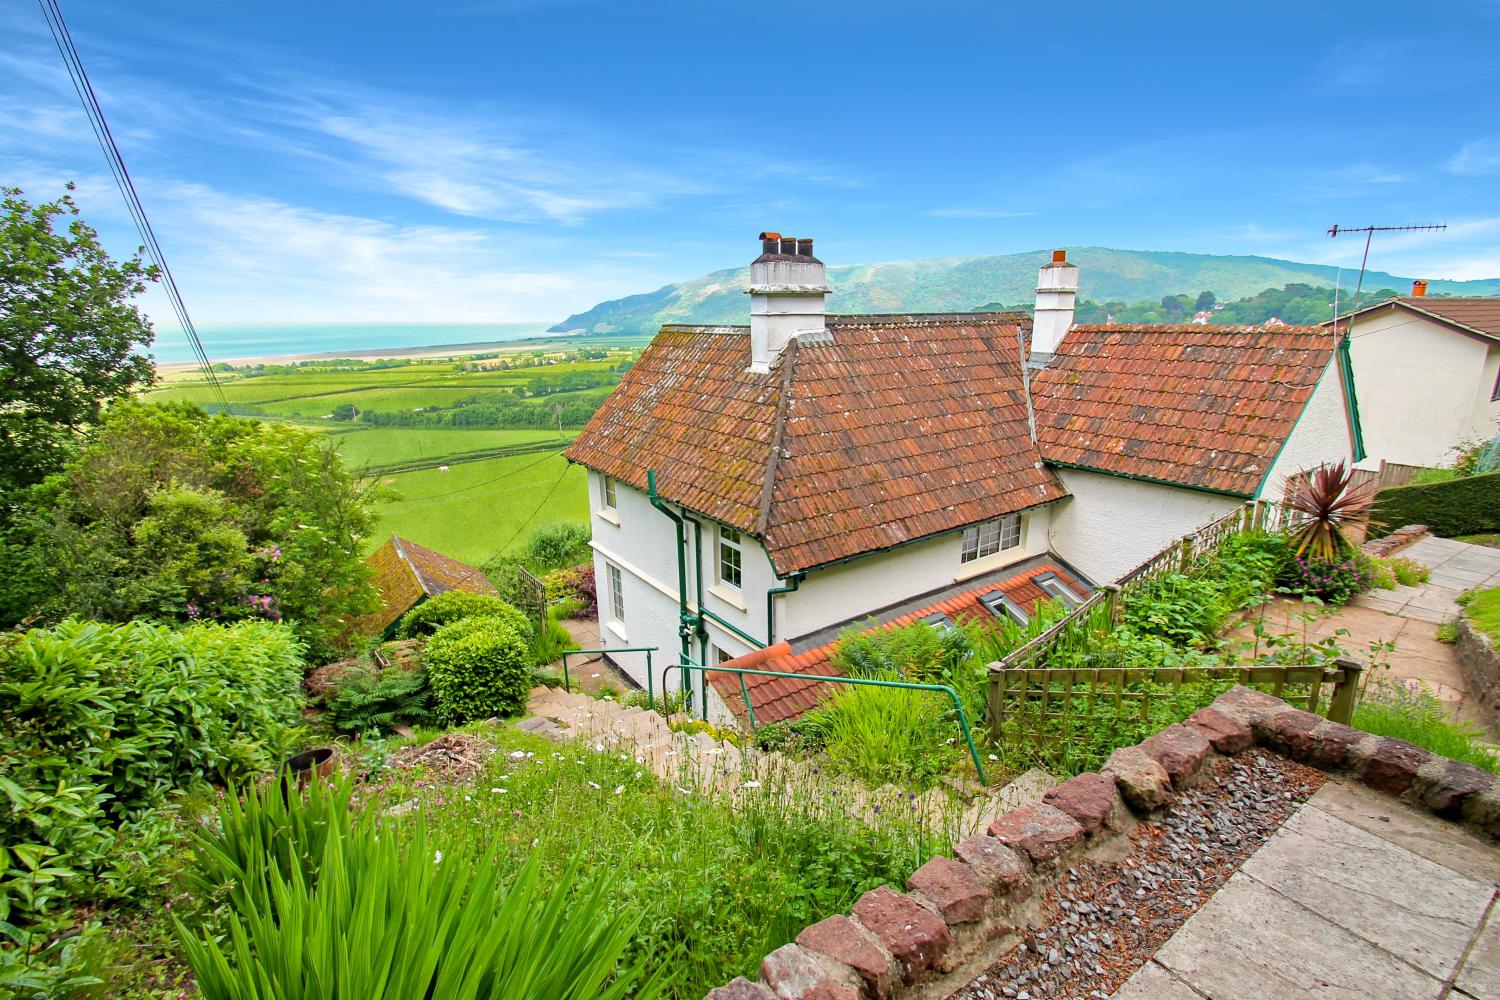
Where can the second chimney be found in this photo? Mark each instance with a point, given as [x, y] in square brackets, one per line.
[1418, 288]
[1056, 293]
[787, 289]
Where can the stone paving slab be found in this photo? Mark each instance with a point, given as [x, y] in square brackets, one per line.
[1426, 913]
[1357, 895]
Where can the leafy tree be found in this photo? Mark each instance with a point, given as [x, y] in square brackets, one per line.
[169, 514]
[68, 334]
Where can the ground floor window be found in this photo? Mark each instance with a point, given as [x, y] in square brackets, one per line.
[616, 593]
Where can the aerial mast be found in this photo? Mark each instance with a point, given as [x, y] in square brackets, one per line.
[1336, 231]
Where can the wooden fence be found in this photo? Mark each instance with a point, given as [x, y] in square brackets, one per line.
[1063, 713]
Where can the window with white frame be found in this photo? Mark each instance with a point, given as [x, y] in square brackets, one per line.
[989, 537]
[607, 492]
[616, 593]
[1002, 606]
[730, 558]
[1053, 586]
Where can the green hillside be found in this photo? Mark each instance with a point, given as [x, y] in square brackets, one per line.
[962, 283]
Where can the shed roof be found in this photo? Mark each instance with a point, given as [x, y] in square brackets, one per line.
[405, 573]
[777, 699]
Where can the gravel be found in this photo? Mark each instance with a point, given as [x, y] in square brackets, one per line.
[1103, 920]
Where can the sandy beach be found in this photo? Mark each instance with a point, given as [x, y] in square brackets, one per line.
[555, 341]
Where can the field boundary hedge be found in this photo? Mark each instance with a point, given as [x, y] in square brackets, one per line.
[1468, 506]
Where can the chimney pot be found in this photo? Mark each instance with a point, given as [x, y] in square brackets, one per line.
[804, 247]
[1059, 256]
[770, 242]
[789, 245]
[1418, 288]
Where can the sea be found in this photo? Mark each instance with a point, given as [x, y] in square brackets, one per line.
[270, 340]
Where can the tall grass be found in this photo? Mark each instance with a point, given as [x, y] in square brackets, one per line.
[1408, 711]
[884, 735]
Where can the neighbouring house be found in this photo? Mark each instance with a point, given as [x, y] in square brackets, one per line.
[753, 485]
[1427, 371]
[406, 574]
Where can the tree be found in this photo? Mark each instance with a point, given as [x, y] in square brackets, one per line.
[169, 514]
[68, 334]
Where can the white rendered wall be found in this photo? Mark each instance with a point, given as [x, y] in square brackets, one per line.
[1422, 387]
[1112, 524]
[1320, 437]
[642, 542]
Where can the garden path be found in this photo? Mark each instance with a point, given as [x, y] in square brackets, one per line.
[1356, 895]
[1408, 617]
[698, 763]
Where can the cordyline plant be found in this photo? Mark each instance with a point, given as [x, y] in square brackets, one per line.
[1325, 504]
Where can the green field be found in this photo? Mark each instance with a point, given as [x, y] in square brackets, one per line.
[497, 484]
[477, 510]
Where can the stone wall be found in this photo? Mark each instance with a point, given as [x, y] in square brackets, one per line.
[959, 914]
[1395, 541]
[1480, 663]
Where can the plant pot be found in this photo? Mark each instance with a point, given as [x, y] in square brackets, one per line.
[321, 760]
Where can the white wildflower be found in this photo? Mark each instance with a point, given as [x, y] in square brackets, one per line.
[594, 785]
[684, 791]
[751, 784]
[497, 791]
[437, 857]
[518, 755]
[619, 789]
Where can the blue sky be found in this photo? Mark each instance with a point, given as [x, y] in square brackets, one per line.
[501, 160]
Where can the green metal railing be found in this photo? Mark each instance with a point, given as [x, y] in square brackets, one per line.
[963, 717]
[648, 650]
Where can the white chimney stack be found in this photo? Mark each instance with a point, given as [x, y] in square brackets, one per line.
[1056, 292]
[787, 288]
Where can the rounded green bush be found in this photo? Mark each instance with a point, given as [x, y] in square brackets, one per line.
[478, 668]
[456, 605]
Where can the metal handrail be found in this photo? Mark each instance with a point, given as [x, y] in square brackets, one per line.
[648, 650]
[963, 717]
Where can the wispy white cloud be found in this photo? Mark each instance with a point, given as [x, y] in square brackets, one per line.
[1476, 158]
[977, 212]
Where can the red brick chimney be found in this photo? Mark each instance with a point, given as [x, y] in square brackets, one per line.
[1418, 288]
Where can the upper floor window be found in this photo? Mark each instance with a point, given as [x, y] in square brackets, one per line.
[616, 593]
[607, 492]
[730, 558]
[986, 539]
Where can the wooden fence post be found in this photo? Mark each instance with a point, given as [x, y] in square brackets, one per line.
[1346, 691]
[1112, 602]
[997, 699]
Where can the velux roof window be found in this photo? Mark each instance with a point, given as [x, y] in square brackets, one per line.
[1003, 607]
[939, 621]
[1053, 586]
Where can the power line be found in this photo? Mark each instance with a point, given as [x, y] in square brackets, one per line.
[486, 482]
[52, 13]
[528, 520]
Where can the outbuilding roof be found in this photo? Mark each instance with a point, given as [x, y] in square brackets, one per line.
[777, 699]
[1207, 407]
[880, 431]
[405, 573]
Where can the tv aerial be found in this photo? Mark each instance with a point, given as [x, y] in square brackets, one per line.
[1335, 231]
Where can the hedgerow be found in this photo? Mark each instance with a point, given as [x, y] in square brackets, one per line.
[1468, 506]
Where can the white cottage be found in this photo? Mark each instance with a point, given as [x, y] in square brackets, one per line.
[1427, 370]
[754, 485]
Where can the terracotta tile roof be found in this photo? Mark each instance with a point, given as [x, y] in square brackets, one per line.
[1480, 315]
[885, 430]
[777, 699]
[1201, 406]
[405, 573]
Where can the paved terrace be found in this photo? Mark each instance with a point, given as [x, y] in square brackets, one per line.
[1357, 895]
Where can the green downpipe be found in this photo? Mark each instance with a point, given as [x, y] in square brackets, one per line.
[698, 627]
[684, 621]
[793, 582]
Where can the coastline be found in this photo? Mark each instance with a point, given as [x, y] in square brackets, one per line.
[428, 351]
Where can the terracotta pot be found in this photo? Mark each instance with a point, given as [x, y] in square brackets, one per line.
[321, 759]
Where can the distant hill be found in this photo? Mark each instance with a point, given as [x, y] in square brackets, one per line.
[963, 283]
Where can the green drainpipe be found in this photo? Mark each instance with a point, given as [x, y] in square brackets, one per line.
[699, 629]
[793, 582]
[684, 620]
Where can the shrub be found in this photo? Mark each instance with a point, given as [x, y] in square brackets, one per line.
[1408, 572]
[574, 583]
[887, 734]
[1466, 506]
[105, 723]
[1408, 711]
[553, 546]
[1186, 610]
[358, 911]
[915, 652]
[478, 668]
[365, 698]
[455, 605]
[1325, 504]
[1333, 581]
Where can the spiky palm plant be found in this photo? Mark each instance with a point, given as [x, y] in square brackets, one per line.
[1324, 504]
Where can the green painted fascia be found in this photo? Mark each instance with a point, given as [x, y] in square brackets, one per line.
[1351, 399]
[1154, 480]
